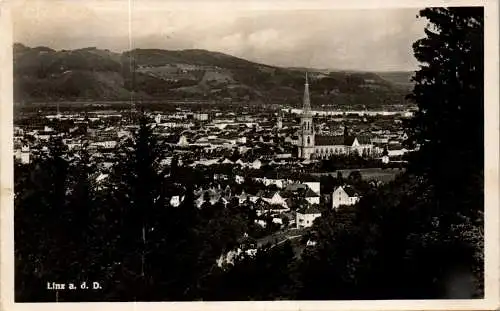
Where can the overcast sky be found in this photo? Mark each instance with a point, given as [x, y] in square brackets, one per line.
[369, 39]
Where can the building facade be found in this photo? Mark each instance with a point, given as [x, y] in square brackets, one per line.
[344, 195]
[305, 217]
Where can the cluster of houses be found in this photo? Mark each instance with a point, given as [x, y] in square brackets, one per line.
[299, 201]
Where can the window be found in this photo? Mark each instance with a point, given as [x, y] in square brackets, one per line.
[308, 140]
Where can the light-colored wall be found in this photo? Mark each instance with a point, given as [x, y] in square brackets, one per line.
[340, 197]
[306, 220]
[315, 186]
[313, 200]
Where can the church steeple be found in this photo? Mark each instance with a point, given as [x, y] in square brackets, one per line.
[307, 101]
[306, 140]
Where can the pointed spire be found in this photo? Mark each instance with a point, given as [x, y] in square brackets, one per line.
[307, 100]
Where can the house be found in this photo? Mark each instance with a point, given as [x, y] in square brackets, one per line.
[303, 191]
[385, 159]
[314, 186]
[227, 161]
[256, 164]
[23, 154]
[311, 196]
[105, 144]
[278, 221]
[239, 179]
[261, 222]
[242, 197]
[395, 150]
[311, 243]
[176, 200]
[212, 195]
[306, 216]
[273, 198]
[183, 141]
[344, 195]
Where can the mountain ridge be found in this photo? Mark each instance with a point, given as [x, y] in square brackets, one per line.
[45, 74]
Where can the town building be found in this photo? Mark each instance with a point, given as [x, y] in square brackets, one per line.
[344, 195]
[306, 216]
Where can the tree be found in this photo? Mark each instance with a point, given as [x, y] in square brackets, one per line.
[138, 197]
[406, 238]
[42, 229]
[355, 176]
[448, 126]
[340, 178]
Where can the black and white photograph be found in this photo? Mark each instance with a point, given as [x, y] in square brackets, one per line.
[221, 152]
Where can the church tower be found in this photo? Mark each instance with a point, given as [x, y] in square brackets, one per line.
[279, 121]
[306, 137]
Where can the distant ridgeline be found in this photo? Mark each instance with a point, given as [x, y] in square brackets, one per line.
[42, 74]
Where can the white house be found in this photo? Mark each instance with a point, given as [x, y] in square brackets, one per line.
[277, 220]
[311, 243]
[306, 216]
[201, 116]
[227, 161]
[242, 197]
[106, 144]
[276, 199]
[397, 152]
[256, 164]
[314, 186]
[344, 195]
[270, 181]
[176, 200]
[23, 154]
[158, 118]
[312, 197]
[183, 141]
[385, 159]
[239, 179]
[261, 222]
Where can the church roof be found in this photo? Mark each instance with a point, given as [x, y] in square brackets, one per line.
[349, 140]
[364, 140]
[325, 140]
[339, 140]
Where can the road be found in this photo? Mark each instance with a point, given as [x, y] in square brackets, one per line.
[280, 237]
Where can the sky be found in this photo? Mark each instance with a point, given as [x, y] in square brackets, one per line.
[282, 35]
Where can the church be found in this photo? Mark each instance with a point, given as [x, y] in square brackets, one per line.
[313, 146]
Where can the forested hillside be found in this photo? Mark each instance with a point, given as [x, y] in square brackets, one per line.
[44, 74]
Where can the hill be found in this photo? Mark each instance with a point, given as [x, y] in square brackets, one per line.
[44, 74]
[399, 78]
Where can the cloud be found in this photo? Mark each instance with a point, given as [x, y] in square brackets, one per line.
[344, 39]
